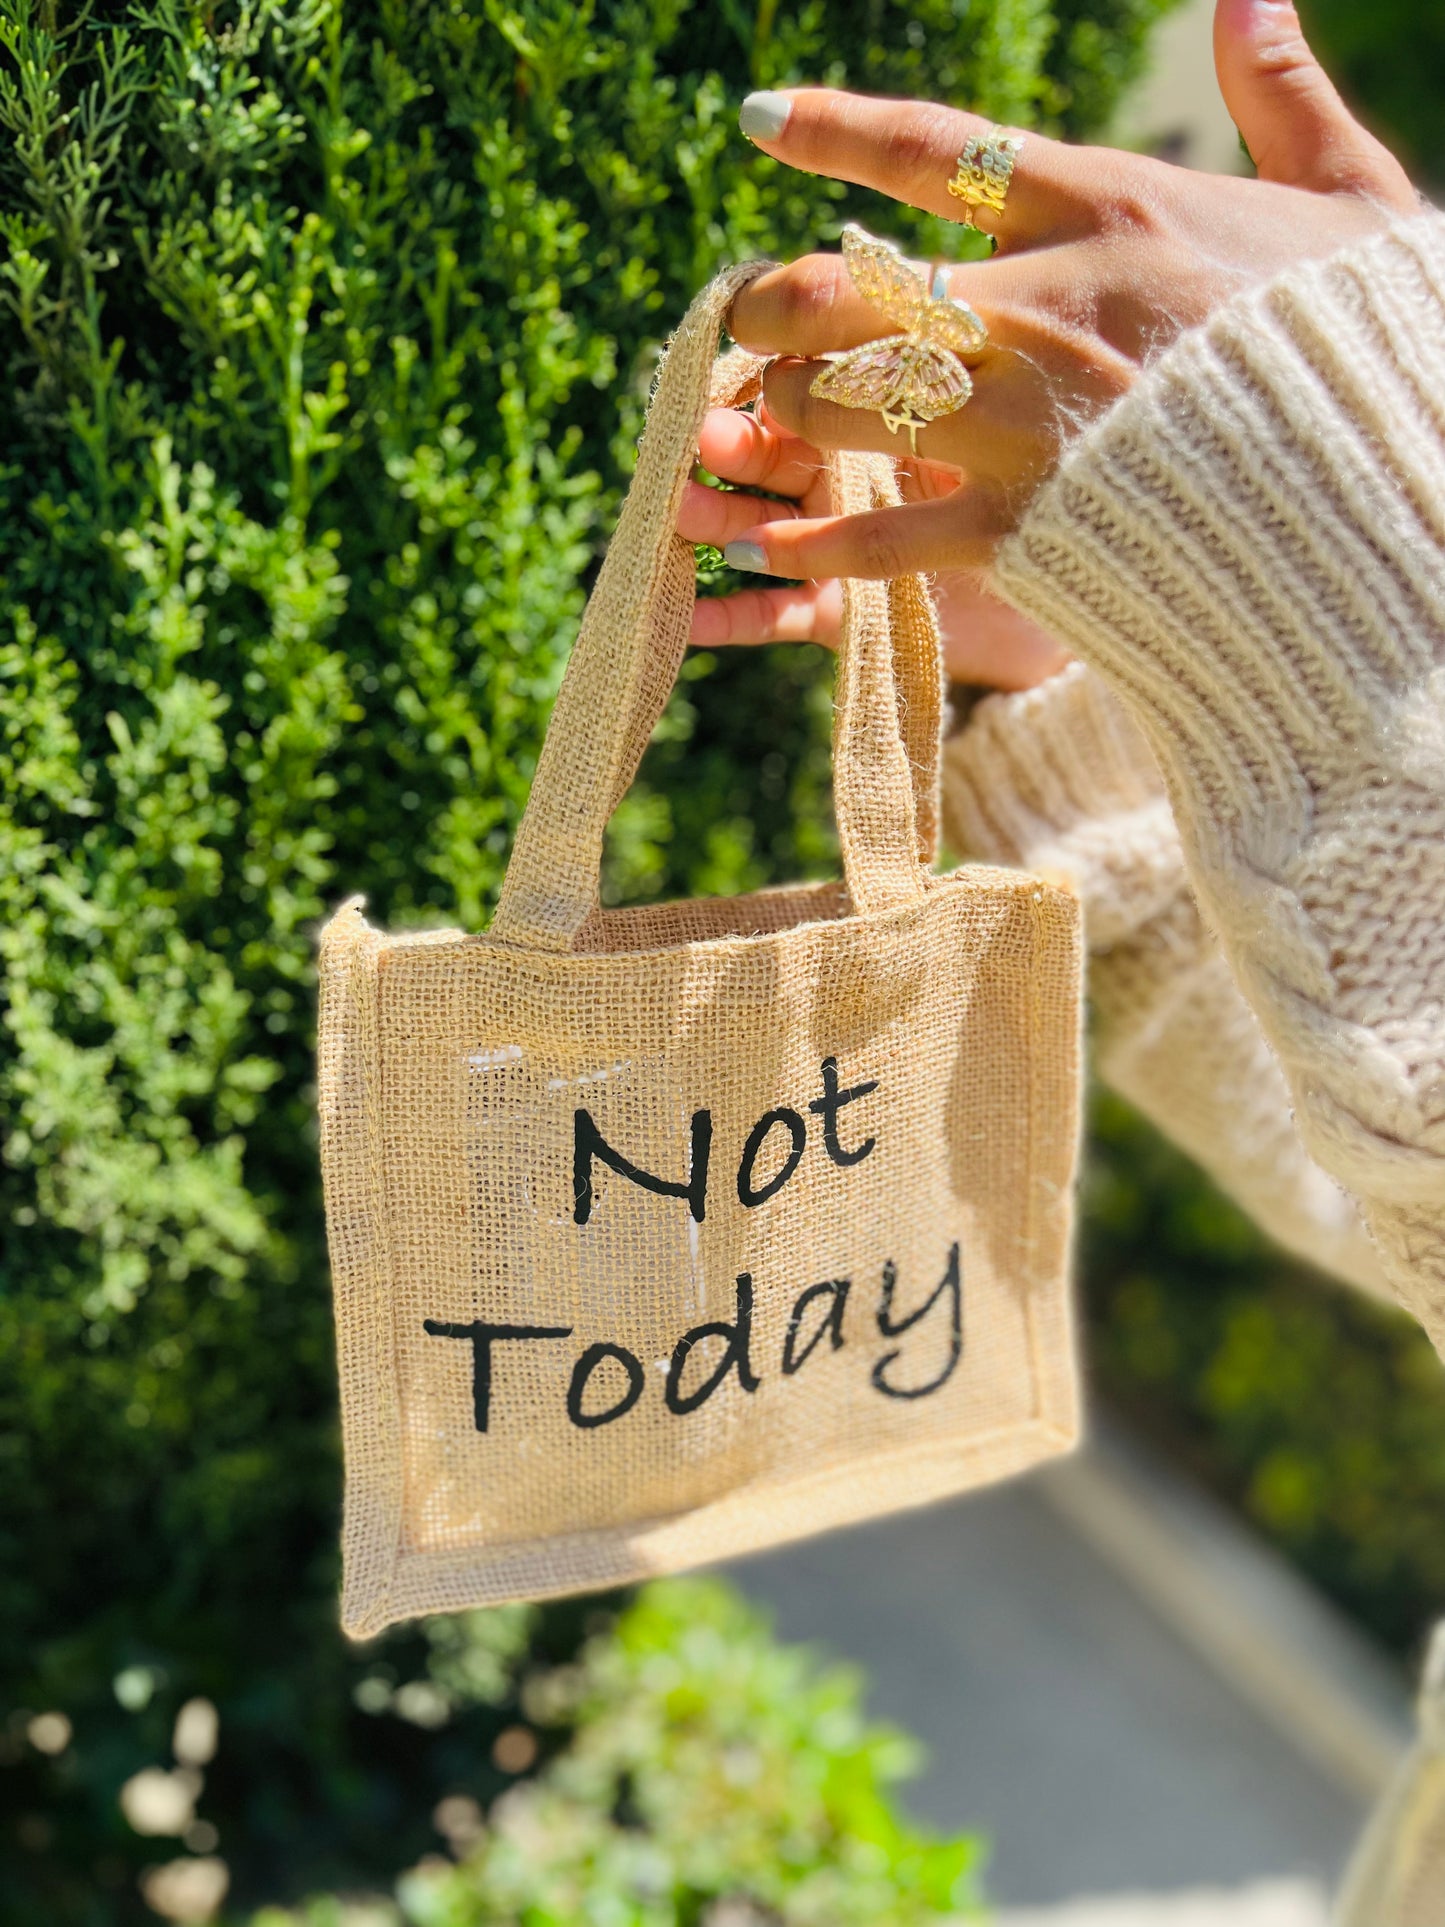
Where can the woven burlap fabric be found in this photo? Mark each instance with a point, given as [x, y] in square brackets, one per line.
[660, 1235]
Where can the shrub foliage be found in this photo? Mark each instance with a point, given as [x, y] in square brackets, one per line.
[325, 324]
[704, 1774]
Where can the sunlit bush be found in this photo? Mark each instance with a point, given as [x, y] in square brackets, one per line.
[325, 325]
[707, 1775]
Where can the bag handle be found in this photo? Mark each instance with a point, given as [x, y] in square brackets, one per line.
[889, 700]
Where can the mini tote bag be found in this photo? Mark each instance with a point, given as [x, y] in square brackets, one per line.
[660, 1235]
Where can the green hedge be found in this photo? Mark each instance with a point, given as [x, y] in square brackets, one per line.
[1320, 1414]
[705, 1775]
[326, 324]
[1389, 59]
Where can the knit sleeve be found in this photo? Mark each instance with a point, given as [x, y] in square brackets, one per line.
[1059, 781]
[1250, 549]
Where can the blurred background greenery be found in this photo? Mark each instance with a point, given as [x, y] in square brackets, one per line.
[327, 325]
[1389, 62]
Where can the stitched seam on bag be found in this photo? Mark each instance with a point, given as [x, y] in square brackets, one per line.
[386, 1268]
[1036, 1205]
[1031, 1202]
[1035, 1438]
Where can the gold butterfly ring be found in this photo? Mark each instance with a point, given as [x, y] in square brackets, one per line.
[911, 378]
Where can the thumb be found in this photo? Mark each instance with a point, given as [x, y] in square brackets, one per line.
[1296, 127]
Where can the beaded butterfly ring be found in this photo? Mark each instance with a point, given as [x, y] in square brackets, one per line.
[910, 378]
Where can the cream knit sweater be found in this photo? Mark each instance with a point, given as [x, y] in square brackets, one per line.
[1247, 554]
[1060, 781]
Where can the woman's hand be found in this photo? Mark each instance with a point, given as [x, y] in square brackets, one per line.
[984, 640]
[1104, 258]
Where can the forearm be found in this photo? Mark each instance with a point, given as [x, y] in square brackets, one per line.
[1174, 1036]
[1059, 780]
[1251, 549]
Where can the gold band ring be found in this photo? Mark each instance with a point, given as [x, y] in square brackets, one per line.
[985, 170]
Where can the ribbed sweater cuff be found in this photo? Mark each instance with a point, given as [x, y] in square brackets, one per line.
[1058, 780]
[1251, 545]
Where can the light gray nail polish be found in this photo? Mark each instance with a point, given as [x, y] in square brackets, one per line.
[750, 556]
[763, 116]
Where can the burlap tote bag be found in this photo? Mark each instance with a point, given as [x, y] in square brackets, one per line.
[659, 1235]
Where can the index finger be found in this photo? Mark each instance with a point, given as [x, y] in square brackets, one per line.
[909, 149]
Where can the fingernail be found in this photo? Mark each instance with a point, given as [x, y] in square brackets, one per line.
[762, 117]
[751, 557]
